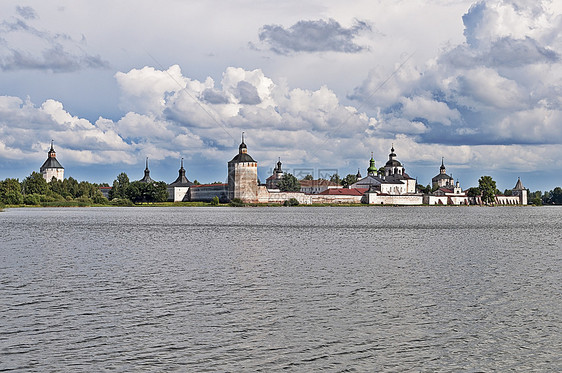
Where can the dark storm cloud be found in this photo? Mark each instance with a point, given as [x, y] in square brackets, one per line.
[26, 12]
[60, 52]
[313, 36]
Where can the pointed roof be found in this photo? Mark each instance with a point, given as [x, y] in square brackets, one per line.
[242, 155]
[181, 181]
[519, 185]
[51, 161]
[146, 178]
[442, 168]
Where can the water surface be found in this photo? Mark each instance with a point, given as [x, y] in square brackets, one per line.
[270, 289]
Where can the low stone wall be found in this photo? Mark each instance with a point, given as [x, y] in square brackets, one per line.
[508, 200]
[446, 200]
[205, 193]
[281, 197]
[403, 200]
[335, 199]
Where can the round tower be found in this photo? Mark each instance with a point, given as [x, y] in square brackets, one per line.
[243, 175]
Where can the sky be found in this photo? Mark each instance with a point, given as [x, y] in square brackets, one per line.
[320, 84]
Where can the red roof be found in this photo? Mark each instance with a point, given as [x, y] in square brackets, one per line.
[345, 192]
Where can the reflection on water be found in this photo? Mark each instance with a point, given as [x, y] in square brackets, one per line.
[269, 289]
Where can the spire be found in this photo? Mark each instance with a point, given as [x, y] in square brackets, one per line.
[358, 174]
[392, 155]
[278, 168]
[52, 153]
[181, 180]
[242, 148]
[146, 178]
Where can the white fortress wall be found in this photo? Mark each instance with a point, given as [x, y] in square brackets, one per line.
[406, 200]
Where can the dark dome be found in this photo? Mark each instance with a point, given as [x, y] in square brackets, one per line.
[393, 163]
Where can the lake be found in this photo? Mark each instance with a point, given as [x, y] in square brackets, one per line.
[335, 289]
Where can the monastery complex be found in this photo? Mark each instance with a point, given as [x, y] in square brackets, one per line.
[389, 185]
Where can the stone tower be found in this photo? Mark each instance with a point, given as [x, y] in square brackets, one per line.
[520, 191]
[243, 176]
[52, 168]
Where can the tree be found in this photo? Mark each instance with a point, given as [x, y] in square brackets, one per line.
[291, 202]
[35, 183]
[424, 189]
[487, 187]
[535, 198]
[555, 196]
[508, 192]
[473, 192]
[335, 178]
[308, 177]
[138, 191]
[289, 183]
[119, 186]
[10, 192]
[349, 180]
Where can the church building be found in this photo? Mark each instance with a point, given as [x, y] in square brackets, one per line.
[51, 167]
[442, 180]
[391, 180]
[272, 182]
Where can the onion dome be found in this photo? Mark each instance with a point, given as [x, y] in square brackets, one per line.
[372, 168]
[392, 162]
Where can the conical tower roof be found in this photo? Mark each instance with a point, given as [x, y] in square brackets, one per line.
[146, 178]
[51, 161]
[181, 180]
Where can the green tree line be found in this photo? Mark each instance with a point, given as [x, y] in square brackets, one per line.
[35, 190]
